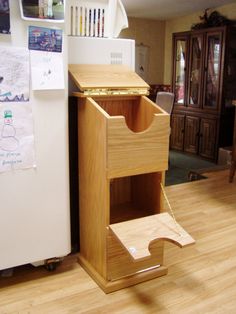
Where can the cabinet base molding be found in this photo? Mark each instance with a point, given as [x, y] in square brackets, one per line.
[110, 286]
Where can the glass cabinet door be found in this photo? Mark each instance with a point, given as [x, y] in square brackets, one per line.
[212, 70]
[195, 73]
[179, 78]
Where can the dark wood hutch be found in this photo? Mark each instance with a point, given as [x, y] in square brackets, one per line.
[204, 84]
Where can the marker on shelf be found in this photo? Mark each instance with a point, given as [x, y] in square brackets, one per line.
[71, 20]
[85, 22]
[103, 21]
[76, 21]
[81, 21]
[98, 24]
[94, 22]
[90, 22]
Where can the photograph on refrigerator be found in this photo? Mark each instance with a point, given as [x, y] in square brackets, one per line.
[4, 17]
[45, 39]
[45, 10]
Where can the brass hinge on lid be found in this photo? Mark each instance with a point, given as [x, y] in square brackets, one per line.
[113, 92]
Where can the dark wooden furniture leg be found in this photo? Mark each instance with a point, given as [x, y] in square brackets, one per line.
[233, 161]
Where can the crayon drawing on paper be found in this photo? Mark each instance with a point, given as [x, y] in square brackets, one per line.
[47, 70]
[16, 136]
[14, 74]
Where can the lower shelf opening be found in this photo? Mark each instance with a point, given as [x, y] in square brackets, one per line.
[135, 197]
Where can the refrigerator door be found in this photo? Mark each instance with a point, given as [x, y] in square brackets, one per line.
[35, 206]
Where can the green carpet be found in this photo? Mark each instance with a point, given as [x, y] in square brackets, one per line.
[181, 164]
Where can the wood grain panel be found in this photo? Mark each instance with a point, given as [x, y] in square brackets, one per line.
[135, 153]
[177, 131]
[208, 128]
[136, 235]
[121, 264]
[90, 76]
[93, 186]
[191, 139]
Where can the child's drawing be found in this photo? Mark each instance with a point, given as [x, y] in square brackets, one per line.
[8, 140]
[47, 70]
[16, 136]
[14, 74]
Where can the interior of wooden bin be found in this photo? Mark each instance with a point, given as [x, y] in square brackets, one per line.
[138, 111]
[135, 196]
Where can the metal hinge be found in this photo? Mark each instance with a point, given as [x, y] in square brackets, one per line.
[105, 92]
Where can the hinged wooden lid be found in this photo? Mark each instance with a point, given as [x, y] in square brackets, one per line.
[136, 235]
[107, 79]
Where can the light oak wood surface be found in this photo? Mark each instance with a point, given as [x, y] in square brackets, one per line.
[201, 278]
[123, 143]
[93, 216]
[112, 146]
[141, 148]
[102, 76]
[136, 235]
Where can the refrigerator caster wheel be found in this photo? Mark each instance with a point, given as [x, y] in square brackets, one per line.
[51, 266]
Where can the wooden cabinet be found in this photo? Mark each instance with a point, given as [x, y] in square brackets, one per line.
[191, 134]
[123, 155]
[194, 134]
[207, 138]
[200, 136]
[203, 61]
[177, 131]
[233, 160]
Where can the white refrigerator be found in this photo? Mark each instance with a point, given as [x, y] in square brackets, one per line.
[94, 50]
[35, 205]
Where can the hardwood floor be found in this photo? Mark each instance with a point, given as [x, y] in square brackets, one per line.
[201, 278]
